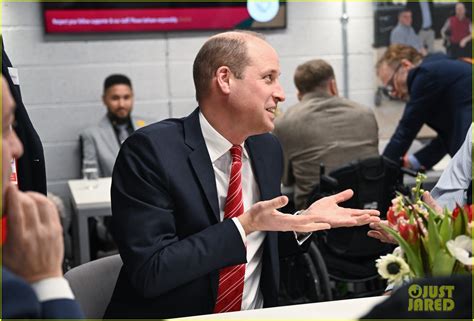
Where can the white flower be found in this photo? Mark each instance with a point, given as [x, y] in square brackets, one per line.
[461, 249]
[398, 252]
[392, 268]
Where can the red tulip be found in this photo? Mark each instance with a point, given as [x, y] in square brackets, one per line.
[456, 212]
[403, 214]
[393, 217]
[409, 232]
[466, 208]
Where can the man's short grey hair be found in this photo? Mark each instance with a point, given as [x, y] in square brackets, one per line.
[225, 49]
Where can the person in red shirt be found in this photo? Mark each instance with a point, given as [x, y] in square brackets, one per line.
[458, 31]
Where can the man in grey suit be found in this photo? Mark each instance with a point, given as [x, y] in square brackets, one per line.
[322, 128]
[101, 143]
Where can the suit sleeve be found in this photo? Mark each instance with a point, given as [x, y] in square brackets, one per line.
[61, 309]
[143, 224]
[432, 153]
[20, 302]
[89, 151]
[425, 92]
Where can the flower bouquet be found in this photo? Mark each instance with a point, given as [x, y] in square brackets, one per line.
[430, 243]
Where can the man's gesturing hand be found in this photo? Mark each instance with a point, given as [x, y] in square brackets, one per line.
[321, 215]
[327, 210]
[263, 216]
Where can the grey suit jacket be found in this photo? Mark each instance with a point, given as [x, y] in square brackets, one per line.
[100, 145]
[323, 129]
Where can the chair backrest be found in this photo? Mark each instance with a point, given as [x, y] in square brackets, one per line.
[93, 284]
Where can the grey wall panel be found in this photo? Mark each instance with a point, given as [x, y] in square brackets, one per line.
[62, 161]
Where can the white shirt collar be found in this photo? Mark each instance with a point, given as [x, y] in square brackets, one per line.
[217, 145]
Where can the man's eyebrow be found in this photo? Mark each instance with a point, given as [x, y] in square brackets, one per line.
[273, 71]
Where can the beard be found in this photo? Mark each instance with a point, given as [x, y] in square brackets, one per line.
[118, 120]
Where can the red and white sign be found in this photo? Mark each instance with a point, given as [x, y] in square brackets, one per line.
[119, 20]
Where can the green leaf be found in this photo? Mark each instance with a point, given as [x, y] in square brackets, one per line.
[426, 246]
[413, 258]
[434, 242]
[460, 224]
[443, 264]
[445, 230]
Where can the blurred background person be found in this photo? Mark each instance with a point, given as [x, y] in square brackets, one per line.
[457, 32]
[422, 13]
[438, 93]
[100, 147]
[32, 244]
[454, 187]
[404, 33]
[30, 171]
[101, 143]
[322, 128]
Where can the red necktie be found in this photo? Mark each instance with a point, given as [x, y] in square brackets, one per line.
[231, 278]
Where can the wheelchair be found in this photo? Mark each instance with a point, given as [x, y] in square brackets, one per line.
[349, 254]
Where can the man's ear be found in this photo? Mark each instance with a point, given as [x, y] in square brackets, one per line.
[223, 75]
[299, 95]
[407, 63]
[333, 87]
[103, 99]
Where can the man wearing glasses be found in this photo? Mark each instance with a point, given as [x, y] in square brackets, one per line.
[438, 93]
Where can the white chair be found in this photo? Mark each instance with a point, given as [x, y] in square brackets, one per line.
[93, 284]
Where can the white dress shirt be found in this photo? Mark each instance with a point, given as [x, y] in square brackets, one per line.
[52, 289]
[219, 152]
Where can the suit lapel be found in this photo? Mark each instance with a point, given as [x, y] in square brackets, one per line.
[200, 160]
[108, 135]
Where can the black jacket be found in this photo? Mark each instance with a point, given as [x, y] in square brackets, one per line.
[31, 166]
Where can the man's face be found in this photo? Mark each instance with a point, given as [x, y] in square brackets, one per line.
[396, 79]
[460, 10]
[405, 18]
[255, 96]
[11, 145]
[119, 100]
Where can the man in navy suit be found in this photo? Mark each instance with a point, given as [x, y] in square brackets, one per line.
[438, 91]
[171, 190]
[31, 166]
[32, 243]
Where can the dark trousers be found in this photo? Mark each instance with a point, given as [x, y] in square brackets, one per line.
[455, 51]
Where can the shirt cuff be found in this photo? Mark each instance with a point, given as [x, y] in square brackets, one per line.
[52, 289]
[299, 236]
[415, 164]
[241, 229]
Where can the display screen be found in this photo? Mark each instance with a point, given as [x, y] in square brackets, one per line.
[89, 17]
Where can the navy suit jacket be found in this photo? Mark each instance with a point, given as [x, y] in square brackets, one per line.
[31, 166]
[167, 226]
[19, 301]
[441, 97]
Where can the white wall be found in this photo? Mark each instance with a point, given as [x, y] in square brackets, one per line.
[61, 76]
